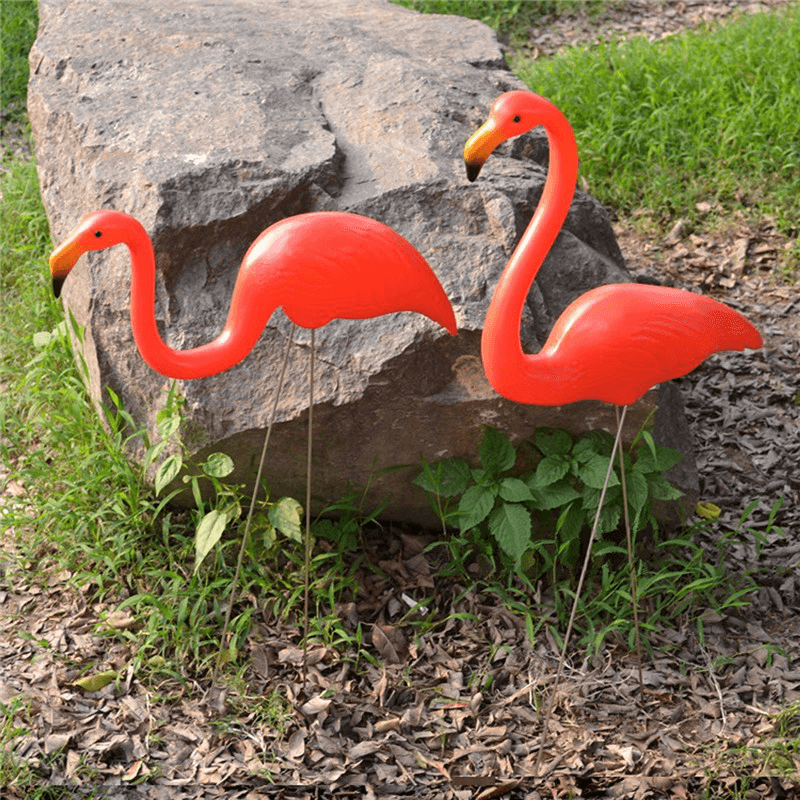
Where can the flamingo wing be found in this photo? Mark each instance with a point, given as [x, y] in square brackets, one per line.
[617, 341]
[329, 265]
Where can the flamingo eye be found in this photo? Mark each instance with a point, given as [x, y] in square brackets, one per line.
[517, 118]
[98, 234]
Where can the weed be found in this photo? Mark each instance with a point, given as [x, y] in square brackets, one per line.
[557, 499]
[14, 771]
[776, 753]
[254, 714]
[516, 530]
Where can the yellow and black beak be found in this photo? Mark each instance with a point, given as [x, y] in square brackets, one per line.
[480, 146]
[62, 260]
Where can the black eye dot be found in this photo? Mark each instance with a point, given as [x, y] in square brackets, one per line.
[517, 118]
[98, 234]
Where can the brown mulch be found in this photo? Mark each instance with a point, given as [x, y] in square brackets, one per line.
[453, 712]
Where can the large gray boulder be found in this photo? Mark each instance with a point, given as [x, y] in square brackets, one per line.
[210, 120]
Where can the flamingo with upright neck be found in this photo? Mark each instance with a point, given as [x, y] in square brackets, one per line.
[612, 343]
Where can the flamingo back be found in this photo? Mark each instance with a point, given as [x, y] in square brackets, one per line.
[327, 265]
[619, 340]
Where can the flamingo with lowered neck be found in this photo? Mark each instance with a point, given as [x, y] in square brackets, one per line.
[612, 343]
[317, 266]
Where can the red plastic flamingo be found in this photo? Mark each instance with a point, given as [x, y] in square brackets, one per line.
[614, 342]
[318, 267]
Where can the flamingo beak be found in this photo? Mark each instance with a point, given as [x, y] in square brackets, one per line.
[62, 260]
[479, 147]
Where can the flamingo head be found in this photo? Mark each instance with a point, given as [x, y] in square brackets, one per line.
[95, 231]
[511, 114]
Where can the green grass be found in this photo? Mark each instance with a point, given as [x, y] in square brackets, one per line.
[18, 22]
[700, 116]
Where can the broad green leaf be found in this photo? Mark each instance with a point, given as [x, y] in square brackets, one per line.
[497, 453]
[208, 533]
[168, 471]
[662, 489]
[556, 495]
[591, 498]
[570, 522]
[551, 469]
[153, 452]
[268, 536]
[445, 478]
[286, 515]
[218, 465]
[553, 441]
[474, 507]
[667, 458]
[657, 459]
[651, 445]
[94, 683]
[168, 424]
[585, 450]
[610, 517]
[593, 473]
[636, 484]
[595, 442]
[510, 524]
[482, 477]
[515, 491]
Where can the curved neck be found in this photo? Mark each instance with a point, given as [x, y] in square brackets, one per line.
[232, 345]
[501, 348]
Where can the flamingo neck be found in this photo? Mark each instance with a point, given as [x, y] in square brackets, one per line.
[510, 371]
[242, 328]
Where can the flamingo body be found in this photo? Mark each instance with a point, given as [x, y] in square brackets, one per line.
[612, 343]
[317, 266]
[616, 342]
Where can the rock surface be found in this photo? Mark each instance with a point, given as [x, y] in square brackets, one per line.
[211, 121]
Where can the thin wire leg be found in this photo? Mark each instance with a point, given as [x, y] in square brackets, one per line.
[242, 547]
[551, 701]
[631, 566]
[307, 555]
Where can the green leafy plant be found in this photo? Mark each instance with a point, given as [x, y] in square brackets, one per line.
[536, 518]
[213, 517]
[514, 525]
